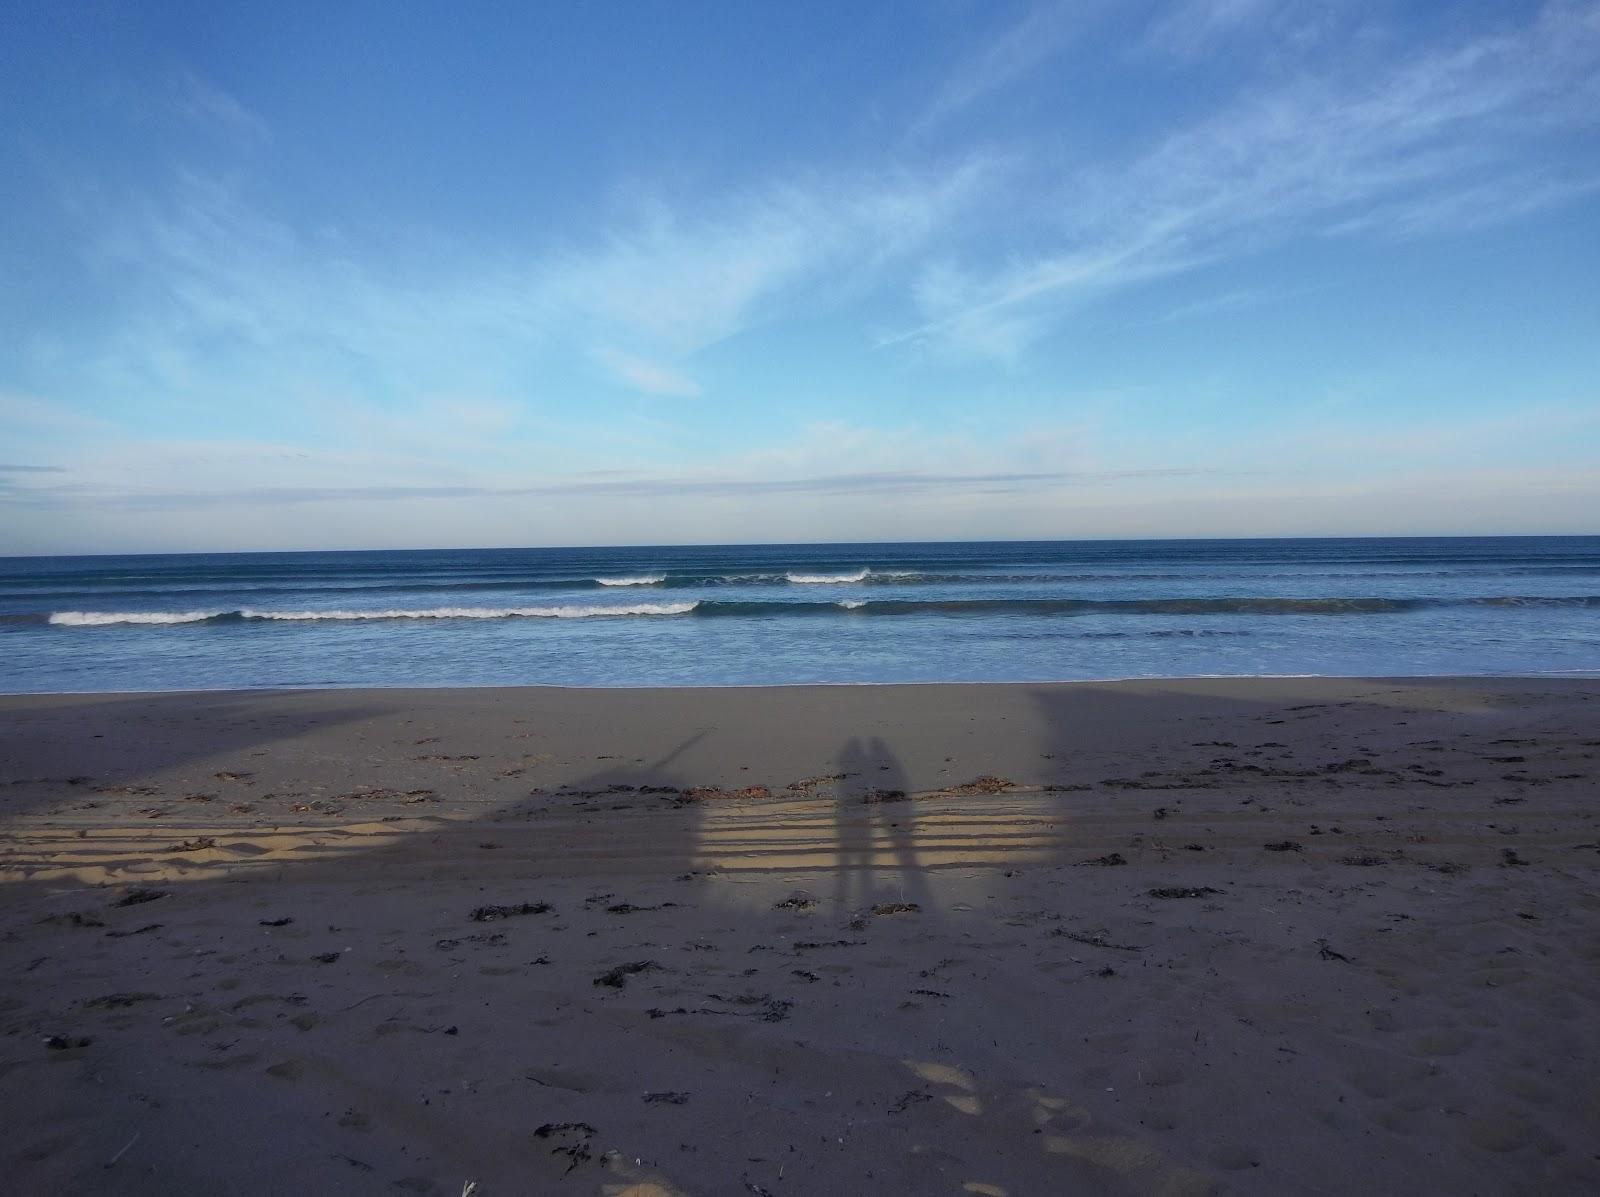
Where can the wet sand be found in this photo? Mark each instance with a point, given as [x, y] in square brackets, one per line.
[1242, 936]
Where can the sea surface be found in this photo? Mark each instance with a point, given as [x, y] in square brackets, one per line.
[776, 614]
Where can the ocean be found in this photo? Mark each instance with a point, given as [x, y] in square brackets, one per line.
[781, 614]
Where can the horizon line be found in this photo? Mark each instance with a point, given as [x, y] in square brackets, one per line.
[781, 544]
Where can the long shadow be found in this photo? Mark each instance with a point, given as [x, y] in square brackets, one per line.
[58, 750]
[1101, 738]
[874, 819]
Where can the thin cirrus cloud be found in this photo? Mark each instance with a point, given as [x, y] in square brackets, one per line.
[1012, 54]
[1438, 142]
[205, 264]
[838, 485]
[648, 377]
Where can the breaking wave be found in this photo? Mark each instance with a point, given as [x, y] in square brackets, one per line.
[91, 619]
[100, 618]
[877, 607]
[824, 579]
[634, 580]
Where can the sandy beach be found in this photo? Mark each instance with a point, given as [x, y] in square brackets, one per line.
[1179, 937]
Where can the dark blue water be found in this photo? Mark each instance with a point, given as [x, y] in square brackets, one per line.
[773, 614]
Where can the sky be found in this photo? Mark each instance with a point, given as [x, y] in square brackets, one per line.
[383, 275]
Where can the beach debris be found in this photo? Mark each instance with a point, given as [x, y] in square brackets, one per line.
[198, 844]
[1095, 940]
[488, 914]
[1183, 891]
[630, 908]
[796, 901]
[135, 931]
[812, 945]
[138, 895]
[575, 1138]
[117, 1001]
[326, 957]
[283, 922]
[772, 1009]
[617, 977]
[61, 1043]
[73, 919]
[112, 1162]
[1510, 859]
[873, 797]
[1328, 953]
[911, 1097]
[1363, 860]
[1284, 846]
[719, 794]
[230, 775]
[896, 908]
[808, 977]
[493, 940]
[1107, 971]
[1109, 860]
[670, 1097]
[984, 785]
[1160, 812]
[807, 784]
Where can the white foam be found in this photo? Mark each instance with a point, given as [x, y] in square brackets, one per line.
[852, 604]
[85, 619]
[92, 619]
[568, 612]
[637, 580]
[825, 579]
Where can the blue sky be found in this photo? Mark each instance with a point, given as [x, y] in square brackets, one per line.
[384, 275]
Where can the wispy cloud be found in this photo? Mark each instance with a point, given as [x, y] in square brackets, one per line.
[1008, 56]
[651, 378]
[644, 487]
[212, 281]
[1189, 27]
[207, 104]
[1446, 138]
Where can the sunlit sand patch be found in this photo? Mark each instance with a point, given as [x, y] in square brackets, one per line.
[941, 1074]
[652, 1187]
[966, 1103]
[924, 831]
[1047, 1109]
[100, 855]
[1113, 1152]
[983, 1189]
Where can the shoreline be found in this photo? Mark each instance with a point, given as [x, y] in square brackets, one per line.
[1533, 676]
[1191, 936]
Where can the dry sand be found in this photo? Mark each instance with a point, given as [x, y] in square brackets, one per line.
[1266, 937]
